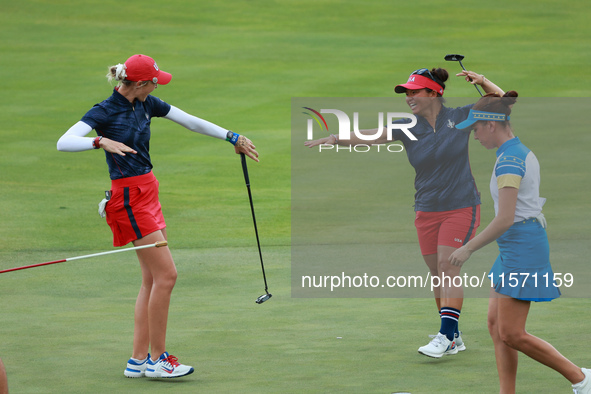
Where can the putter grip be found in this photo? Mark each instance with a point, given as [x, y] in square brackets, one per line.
[244, 168]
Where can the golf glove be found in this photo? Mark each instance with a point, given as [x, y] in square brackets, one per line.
[101, 208]
[542, 219]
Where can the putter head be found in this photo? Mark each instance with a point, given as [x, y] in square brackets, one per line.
[454, 58]
[263, 298]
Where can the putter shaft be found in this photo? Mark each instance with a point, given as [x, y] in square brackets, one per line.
[458, 58]
[256, 231]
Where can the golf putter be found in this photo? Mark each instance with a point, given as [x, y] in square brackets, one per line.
[267, 295]
[459, 58]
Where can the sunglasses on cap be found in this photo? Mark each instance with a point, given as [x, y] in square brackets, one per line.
[421, 79]
[423, 71]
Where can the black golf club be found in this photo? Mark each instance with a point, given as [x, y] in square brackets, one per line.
[267, 295]
[459, 58]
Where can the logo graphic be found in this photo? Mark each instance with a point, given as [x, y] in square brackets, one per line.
[451, 124]
[169, 370]
[345, 124]
[452, 346]
[316, 119]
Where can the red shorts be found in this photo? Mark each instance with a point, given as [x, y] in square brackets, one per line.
[447, 228]
[134, 210]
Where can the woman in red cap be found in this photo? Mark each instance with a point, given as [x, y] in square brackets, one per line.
[447, 203]
[122, 123]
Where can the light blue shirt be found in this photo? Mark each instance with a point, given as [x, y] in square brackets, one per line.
[518, 167]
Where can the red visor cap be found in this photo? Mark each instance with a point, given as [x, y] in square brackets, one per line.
[416, 82]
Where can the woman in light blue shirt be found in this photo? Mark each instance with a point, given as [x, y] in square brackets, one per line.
[522, 271]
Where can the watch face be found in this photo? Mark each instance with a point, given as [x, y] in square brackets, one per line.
[229, 135]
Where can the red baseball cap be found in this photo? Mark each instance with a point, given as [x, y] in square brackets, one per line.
[420, 79]
[144, 68]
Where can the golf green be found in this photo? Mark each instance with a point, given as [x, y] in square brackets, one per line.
[67, 328]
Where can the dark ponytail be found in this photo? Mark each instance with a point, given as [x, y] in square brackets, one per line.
[494, 102]
[440, 75]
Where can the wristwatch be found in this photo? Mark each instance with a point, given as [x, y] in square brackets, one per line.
[96, 142]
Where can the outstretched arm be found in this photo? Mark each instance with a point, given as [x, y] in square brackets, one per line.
[201, 126]
[479, 79]
[196, 124]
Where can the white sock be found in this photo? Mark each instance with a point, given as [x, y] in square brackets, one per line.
[140, 361]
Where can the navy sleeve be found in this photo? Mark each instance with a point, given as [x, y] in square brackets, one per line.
[465, 111]
[95, 117]
[397, 134]
[460, 114]
[158, 107]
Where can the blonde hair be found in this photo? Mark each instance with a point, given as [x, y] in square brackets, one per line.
[118, 73]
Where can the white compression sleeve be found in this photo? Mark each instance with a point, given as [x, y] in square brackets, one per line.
[196, 124]
[74, 139]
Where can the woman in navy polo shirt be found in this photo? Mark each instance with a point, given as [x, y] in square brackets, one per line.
[447, 202]
[122, 123]
[521, 271]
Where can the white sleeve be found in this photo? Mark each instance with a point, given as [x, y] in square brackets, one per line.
[196, 124]
[74, 139]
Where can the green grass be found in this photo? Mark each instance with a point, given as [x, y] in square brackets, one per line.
[68, 328]
[71, 324]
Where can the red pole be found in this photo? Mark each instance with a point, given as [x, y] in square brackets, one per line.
[32, 266]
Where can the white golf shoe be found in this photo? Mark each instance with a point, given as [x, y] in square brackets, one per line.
[135, 368]
[167, 366]
[460, 342]
[583, 387]
[439, 346]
